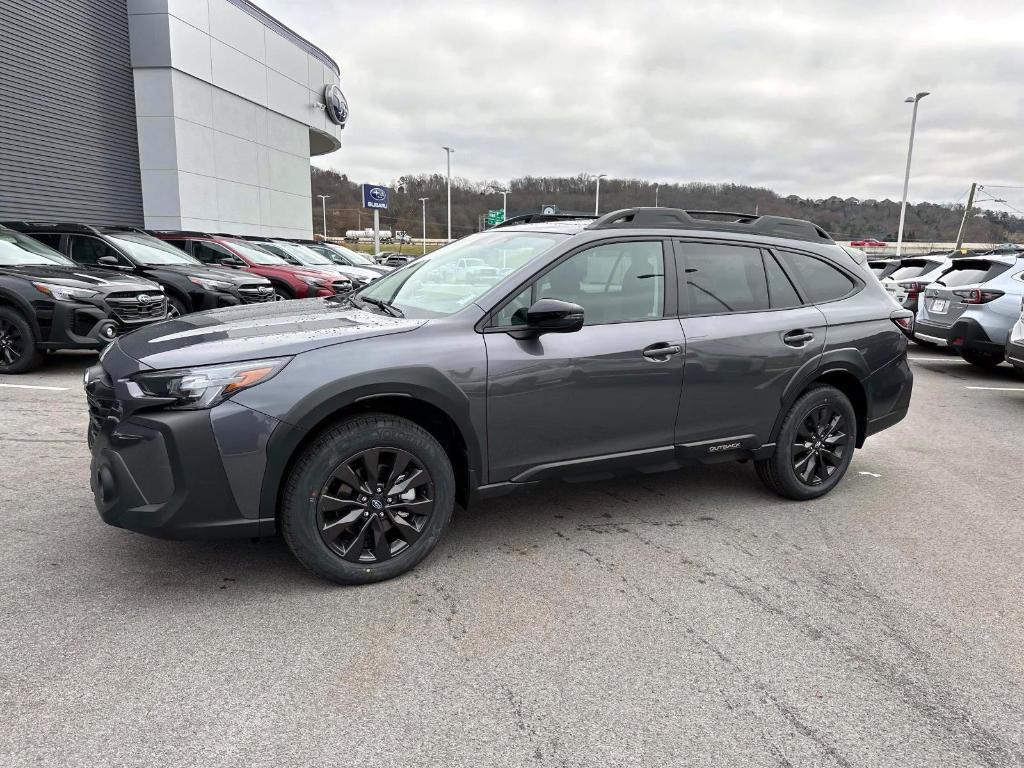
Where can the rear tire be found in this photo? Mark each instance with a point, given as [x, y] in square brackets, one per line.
[18, 350]
[814, 447]
[352, 524]
[982, 359]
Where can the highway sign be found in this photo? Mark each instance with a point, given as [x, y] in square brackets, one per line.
[495, 217]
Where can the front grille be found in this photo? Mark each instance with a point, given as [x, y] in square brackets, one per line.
[131, 308]
[256, 294]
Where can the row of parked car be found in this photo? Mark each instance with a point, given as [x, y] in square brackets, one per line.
[73, 286]
[973, 303]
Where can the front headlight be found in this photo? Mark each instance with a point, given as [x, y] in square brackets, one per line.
[205, 386]
[316, 282]
[211, 285]
[64, 292]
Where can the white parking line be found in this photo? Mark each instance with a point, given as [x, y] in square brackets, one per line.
[33, 386]
[999, 389]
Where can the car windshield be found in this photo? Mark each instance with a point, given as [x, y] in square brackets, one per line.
[18, 250]
[305, 255]
[358, 259]
[456, 275]
[256, 254]
[150, 251]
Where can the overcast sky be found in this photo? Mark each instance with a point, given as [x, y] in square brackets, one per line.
[804, 98]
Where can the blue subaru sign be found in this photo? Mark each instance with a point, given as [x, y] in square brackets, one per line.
[375, 197]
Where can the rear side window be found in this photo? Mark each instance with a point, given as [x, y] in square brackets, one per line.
[781, 291]
[969, 272]
[821, 282]
[723, 278]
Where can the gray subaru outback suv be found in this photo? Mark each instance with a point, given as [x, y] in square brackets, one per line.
[643, 340]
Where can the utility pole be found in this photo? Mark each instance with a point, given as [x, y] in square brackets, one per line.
[656, 185]
[423, 201]
[967, 213]
[906, 179]
[597, 194]
[323, 199]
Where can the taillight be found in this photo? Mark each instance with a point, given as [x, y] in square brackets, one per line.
[904, 322]
[914, 288]
[977, 295]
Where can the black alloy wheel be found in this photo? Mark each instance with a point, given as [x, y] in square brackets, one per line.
[822, 439]
[367, 499]
[814, 446]
[375, 505]
[175, 308]
[12, 343]
[18, 351]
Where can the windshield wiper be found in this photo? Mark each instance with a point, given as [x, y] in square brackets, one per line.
[382, 305]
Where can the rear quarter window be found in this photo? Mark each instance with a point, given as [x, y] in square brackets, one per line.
[821, 282]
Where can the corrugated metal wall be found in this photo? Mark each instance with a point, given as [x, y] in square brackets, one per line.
[68, 143]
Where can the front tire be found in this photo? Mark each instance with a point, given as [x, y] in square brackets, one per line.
[367, 499]
[981, 359]
[814, 447]
[18, 350]
[175, 307]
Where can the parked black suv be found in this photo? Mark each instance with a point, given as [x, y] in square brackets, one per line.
[47, 303]
[189, 284]
[512, 356]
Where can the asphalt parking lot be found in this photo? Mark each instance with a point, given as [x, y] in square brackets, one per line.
[687, 618]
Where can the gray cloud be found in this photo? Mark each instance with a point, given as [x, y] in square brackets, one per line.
[802, 97]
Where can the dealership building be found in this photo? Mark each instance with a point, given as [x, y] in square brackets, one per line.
[168, 114]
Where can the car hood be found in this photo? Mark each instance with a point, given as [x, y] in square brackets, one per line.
[253, 331]
[362, 273]
[81, 277]
[223, 274]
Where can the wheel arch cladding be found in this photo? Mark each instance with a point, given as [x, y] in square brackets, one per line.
[852, 387]
[465, 459]
[14, 302]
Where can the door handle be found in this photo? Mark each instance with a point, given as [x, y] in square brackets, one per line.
[661, 351]
[798, 338]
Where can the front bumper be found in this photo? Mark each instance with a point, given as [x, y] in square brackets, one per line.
[76, 325]
[176, 474]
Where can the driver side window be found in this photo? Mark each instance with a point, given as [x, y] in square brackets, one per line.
[614, 283]
[87, 251]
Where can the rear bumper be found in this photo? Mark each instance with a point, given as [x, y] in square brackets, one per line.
[180, 474]
[1015, 354]
[888, 390]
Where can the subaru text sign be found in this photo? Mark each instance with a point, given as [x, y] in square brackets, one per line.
[375, 197]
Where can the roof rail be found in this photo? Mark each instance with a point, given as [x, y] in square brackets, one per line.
[182, 232]
[534, 218]
[722, 221]
[43, 226]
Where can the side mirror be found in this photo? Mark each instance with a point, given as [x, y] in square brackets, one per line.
[229, 261]
[554, 316]
[108, 261]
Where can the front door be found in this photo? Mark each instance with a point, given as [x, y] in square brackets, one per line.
[577, 401]
[748, 333]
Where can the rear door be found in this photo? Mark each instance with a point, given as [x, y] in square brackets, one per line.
[944, 299]
[748, 331]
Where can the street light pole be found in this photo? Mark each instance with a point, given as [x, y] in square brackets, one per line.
[504, 203]
[656, 185]
[597, 196]
[906, 178]
[323, 199]
[423, 202]
[449, 152]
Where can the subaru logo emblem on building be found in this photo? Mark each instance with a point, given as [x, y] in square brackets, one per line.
[336, 105]
[378, 194]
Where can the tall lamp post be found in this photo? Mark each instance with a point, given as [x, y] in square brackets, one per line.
[449, 152]
[597, 195]
[906, 178]
[656, 185]
[423, 202]
[323, 199]
[504, 202]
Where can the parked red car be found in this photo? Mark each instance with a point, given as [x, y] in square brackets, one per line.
[289, 282]
[869, 242]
